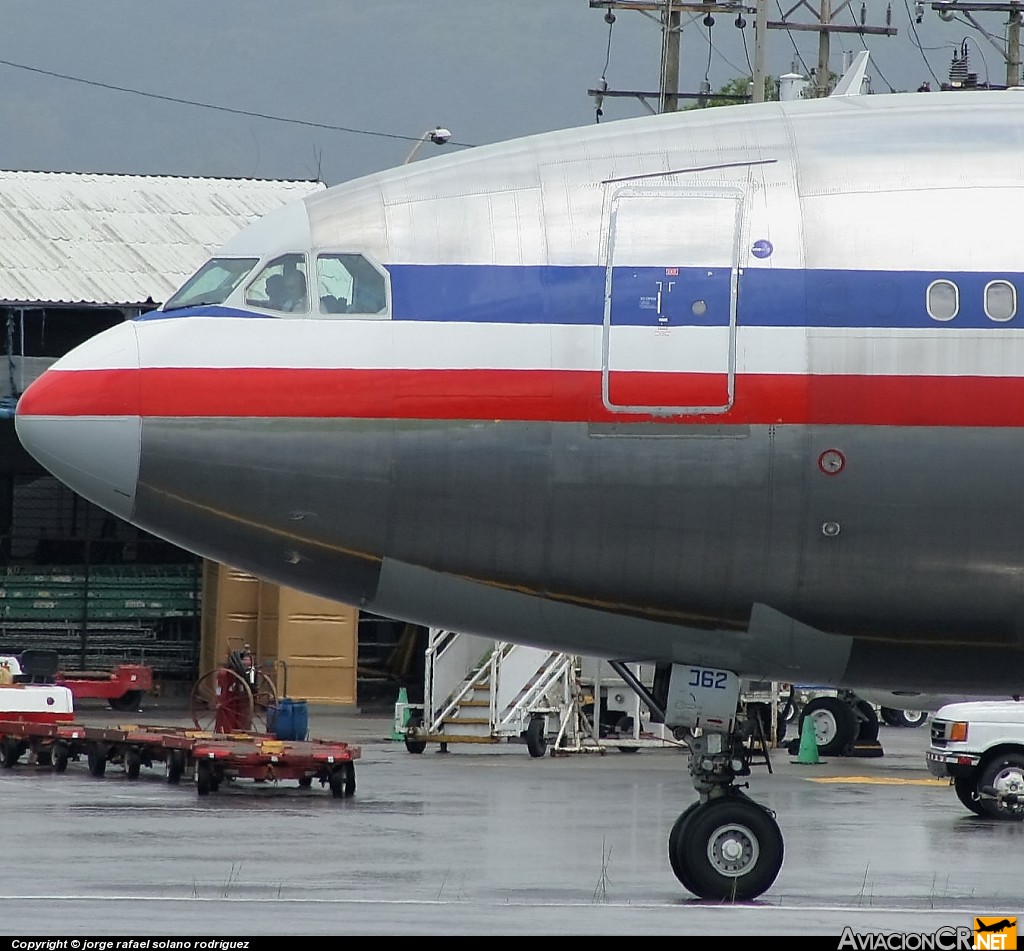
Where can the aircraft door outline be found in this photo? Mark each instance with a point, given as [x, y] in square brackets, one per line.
[670, 310]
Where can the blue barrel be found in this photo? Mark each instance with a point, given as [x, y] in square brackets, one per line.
[289, 720]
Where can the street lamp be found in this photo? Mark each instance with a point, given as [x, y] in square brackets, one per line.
[436, 135]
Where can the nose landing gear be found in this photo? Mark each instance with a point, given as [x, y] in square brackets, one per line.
[725, 847]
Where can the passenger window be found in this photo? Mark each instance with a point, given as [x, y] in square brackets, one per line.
[943, 300]
[281, 286]
[350, 284]
[1000, 300]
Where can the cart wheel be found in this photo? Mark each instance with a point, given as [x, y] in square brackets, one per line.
[415, 746]
[264, 699]
[222, 702]
[132, 762]
[97, 762]
[305, 782]
[10, 751]
[60, 757]
[536, 737]
[204, 778]
[175, 766]
[127, 703]
[343, 781]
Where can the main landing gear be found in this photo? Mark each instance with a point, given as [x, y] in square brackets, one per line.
[724, 847]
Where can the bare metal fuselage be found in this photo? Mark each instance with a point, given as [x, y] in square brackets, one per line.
[737, 389]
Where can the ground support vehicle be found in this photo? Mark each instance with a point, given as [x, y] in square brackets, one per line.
[979, 748]
[220, 758]
[56, 744]
[477, 690]
[211, 758]
[122, 688]
[139, 746]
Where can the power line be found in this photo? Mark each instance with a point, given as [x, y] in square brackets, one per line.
[917, 42]
[746, 52]
[209, 105]
[789, 33]
[874, 58]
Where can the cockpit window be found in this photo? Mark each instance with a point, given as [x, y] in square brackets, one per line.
[281, 286]
[212, 283]
[350, 284]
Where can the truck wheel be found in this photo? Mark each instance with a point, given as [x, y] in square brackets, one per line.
[967, 792]
[1003, 778]
[908, 718]
[835, 724]
[867, 722]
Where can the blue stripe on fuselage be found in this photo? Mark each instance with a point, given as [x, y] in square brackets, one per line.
[206, 310]
[484, 293]
[768, 297]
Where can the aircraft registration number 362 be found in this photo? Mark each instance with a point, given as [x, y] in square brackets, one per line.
[703, 695]
[710, 679]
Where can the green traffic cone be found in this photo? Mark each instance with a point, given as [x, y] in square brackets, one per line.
[808, 753]
[401, 714]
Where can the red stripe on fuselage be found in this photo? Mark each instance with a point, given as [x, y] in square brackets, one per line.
[529, 395]
[83, 393]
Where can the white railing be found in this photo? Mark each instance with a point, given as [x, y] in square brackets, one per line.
[532, 681]
[455, 665]
[522, 681]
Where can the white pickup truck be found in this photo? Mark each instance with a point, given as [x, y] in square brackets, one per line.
[979, 746]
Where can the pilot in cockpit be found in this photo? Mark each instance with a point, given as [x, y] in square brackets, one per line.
[275, 292]
[294, 295]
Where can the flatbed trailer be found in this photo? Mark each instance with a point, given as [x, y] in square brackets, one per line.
[212, 758]
[265, 759]
[55, 744]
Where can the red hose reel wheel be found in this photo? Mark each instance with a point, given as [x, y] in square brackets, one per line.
[223, 701]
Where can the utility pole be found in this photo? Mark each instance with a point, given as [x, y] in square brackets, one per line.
[825, 26]
[669, 16]
[1015, 11]
[1013, 49]
[760, 48]
[668, 86]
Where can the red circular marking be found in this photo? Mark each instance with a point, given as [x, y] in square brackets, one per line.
[831, 462]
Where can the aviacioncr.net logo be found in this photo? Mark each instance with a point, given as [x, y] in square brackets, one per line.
[995, 934]
[948, 938]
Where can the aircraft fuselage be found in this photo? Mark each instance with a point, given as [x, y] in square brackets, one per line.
[740, 388]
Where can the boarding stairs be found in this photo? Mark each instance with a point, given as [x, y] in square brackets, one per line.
[478, 690]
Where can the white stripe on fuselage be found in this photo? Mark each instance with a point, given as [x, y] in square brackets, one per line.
[382, 344]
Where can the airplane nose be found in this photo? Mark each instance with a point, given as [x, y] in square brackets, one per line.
[80, 419]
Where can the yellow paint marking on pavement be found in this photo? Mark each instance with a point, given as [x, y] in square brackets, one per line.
[879, 780]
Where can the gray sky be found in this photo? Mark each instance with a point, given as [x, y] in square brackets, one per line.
[485, 69]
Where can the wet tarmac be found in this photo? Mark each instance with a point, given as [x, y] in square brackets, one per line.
[484, 840]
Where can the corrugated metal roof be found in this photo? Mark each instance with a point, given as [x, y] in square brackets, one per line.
[71, 237]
